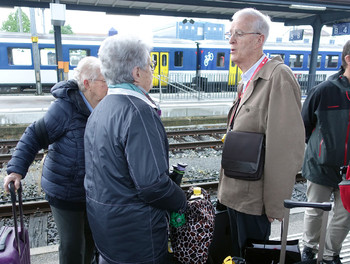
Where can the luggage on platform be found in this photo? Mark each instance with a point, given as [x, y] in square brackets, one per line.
[14, 241]
[221, 246]
[326, 207]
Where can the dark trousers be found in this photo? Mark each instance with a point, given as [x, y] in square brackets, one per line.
[76, 242]
[168, 259]
[244, 226]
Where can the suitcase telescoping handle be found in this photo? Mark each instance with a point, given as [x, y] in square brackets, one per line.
[288, 204]
[14, 212]
[293, 204]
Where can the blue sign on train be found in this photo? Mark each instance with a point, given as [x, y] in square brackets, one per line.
[341, 29]
[297, 34]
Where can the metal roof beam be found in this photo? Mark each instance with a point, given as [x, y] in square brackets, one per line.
[328, 18]
[338, 4]
[232, 4]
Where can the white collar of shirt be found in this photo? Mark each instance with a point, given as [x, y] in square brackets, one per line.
[86, 101]
[132, 93]
[248, 74]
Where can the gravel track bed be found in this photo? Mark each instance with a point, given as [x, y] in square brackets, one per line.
[204, 163]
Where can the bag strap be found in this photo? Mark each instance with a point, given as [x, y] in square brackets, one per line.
[234, 112]
[348, 173]
[14, 212]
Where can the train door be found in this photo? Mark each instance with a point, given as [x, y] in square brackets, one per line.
[161, 69]
[234, 74]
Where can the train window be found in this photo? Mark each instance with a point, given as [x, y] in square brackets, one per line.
[296, 60]
[318, 61]
[220, 59]
[48, 56]
[277, 54]
[332, 61]
[19, 56]
[75, 55]
[178, 59]
[164, 60]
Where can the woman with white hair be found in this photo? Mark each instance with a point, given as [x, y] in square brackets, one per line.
[61, 130]
[128, 189]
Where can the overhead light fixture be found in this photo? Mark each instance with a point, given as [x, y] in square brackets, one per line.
[306, 7]
[185, 21]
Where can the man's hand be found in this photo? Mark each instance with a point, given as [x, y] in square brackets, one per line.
[15, 177]
[273, 219]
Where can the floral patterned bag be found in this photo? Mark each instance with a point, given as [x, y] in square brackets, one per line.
[190, 242]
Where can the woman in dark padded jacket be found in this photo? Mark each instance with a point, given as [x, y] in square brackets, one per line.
[62, 131]
[128, 188]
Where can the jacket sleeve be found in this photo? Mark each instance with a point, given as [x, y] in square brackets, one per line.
[147, 156]
[284, 141]
[52, 127]
[308, 112]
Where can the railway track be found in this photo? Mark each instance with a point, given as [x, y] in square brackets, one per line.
[31, 206]
[41, 205]
[178, 135]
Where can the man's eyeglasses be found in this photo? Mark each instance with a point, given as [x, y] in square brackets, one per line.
[240, 34]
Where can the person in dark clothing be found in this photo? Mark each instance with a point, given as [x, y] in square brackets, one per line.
[326, 118]
[62, 131]
[128, 189]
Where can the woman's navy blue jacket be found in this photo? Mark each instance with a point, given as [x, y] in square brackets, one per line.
[128, 188]
[62, 130]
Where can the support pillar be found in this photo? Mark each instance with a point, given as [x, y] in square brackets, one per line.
[317, 27]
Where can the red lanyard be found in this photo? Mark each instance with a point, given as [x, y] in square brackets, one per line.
[240, 94]
[262, 63]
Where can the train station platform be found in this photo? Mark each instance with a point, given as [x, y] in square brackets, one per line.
[24, 109]
[49, 254]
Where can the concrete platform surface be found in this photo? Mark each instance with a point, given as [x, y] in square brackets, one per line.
[26, 109]
[49, 254]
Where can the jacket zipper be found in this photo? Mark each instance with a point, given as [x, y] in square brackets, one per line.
[320, 148]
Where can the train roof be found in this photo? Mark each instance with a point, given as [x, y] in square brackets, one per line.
[16, 37]
[273, 45]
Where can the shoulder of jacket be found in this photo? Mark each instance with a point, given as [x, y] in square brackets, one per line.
[274, 66]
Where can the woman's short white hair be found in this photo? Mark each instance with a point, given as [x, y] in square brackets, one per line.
[119, 55]
[262, 22]
[88, 69]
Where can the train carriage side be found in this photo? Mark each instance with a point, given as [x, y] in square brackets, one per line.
[298, 56]
[175, 62]
[17, 65]
[216, 66]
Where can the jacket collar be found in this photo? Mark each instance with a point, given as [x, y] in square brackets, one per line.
[264, 73]
[128, 92]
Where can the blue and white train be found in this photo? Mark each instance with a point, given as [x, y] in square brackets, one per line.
[177, 60]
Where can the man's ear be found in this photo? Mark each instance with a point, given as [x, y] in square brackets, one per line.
[347, 59]
[261, 39]
[86, 84]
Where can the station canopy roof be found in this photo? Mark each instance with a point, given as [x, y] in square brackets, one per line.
[297, 12]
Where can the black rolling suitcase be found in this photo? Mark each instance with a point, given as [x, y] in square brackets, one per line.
[14, 241]
[221, 246]
[288, 204]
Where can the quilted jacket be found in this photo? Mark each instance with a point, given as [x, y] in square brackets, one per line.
[64, 127]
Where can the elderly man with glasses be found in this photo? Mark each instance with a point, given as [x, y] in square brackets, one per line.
[268, 102]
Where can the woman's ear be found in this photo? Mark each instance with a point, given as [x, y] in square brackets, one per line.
[136, 73]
